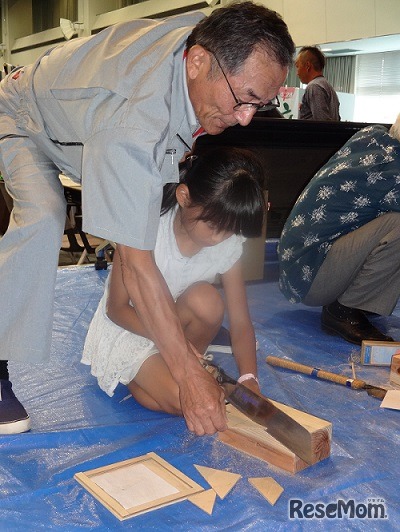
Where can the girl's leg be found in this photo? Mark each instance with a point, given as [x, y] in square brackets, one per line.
[154, 388]
[201, 311]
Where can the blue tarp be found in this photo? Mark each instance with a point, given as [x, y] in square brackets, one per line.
[77, 427]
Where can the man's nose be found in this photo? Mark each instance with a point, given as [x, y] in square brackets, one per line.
[244, 116]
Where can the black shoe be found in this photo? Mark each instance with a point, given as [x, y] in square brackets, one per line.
[13, 416]
[350, 323]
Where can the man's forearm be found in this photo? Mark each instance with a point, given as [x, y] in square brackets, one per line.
[202, 400]
[156, 309]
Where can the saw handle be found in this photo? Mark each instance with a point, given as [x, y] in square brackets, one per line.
[356, 384]
[218, 373]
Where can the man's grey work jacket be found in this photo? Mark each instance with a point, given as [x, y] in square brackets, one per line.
[107, 110]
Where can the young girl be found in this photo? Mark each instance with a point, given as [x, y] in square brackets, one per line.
[218, 203]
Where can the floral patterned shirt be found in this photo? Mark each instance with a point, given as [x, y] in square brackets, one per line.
[359, 183]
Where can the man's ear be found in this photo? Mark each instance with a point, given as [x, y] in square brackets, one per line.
[182, 195]
[197, 60]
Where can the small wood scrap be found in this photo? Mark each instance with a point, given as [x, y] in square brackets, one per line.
[221, 481]
[253, 439]
[268, 487]
[391, 400]
[204, 500]
[395, 370]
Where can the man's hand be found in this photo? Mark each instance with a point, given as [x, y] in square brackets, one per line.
[202, 402]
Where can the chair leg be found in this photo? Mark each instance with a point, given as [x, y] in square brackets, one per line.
[82, 258]
[88, 247]
[73, 243]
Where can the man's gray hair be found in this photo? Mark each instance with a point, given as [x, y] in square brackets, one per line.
[233, 32]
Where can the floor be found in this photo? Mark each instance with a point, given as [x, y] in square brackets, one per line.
[76, 427]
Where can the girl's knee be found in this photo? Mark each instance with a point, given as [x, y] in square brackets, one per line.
[168, 403]
[204, 301]
[160, 392]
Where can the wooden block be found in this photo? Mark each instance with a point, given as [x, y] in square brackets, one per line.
[253, 439]
[221, 481]
[268, 487]
[395, 370]
[204, 500]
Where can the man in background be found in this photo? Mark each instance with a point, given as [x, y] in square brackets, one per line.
[320, 101]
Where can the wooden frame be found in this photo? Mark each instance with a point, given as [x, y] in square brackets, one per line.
[160, 484]
[376, 353]
[253, 439]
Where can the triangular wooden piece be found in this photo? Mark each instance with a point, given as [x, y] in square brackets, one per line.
[204, 500]
[268, 487]
[221, 481]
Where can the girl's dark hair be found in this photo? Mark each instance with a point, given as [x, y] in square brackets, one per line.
[228, 184]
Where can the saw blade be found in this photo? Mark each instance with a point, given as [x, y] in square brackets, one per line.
[280, 425]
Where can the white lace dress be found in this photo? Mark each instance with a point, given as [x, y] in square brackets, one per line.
[116, 355]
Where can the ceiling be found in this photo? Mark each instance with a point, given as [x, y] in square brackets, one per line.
[386, 43]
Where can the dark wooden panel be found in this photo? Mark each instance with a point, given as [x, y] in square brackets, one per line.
[292, 151]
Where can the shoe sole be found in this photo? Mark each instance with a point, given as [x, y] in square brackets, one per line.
[333, 332]
[16, 427]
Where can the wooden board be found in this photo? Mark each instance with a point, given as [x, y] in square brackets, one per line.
[138, 485]
[253, 439]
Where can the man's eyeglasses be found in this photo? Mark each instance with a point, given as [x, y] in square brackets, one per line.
[245, 106]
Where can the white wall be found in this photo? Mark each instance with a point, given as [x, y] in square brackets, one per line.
[95, 15]
[309, 21]
[346, 109]
[323, 21]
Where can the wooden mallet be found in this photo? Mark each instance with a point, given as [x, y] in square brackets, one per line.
[355, 384]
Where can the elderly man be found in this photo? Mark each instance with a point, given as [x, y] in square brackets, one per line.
[320, 101]
[116, 112]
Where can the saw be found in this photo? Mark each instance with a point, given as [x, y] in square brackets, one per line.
[263, 411]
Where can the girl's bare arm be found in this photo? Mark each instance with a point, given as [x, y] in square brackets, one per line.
[240, 325]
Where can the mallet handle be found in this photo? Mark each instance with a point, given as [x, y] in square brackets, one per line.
[356, 384]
